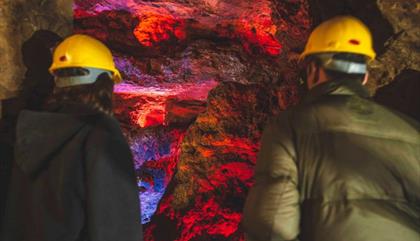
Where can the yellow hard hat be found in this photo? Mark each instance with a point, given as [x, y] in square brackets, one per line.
[85, 52]
[340, 34]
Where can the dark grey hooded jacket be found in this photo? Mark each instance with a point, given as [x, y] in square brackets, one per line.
[73, 180]
[337, 168]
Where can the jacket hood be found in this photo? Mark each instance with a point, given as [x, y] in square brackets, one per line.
[39, 135]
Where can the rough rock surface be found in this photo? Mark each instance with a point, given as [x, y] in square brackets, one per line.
[194, 172]
[256, 24]
[154, 121]
[19, 19]
[171, 54]
[215, 168]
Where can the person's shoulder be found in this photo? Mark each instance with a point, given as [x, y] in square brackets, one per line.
[398, 125]
[332, 106]
[308, 117]
[285, 120]
[302, 115]
[107, 122]
[281, 118]
[104, 126]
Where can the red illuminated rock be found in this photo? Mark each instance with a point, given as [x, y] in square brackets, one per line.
[182, 112]
[258, 25]
[216, 166]
[141, 106]
[140, 110]
[171, 54]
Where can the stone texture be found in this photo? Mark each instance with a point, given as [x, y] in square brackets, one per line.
[154, 120]
[402, 48]
[255, 24]
[142, 106]
[215, 166]
[183, 112]
[199, 39]
[19, 19]
[173, 52]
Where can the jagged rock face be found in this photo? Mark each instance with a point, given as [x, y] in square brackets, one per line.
[171, 54]
[194, 151]
[19, 20]
[256, 24]
[216, 165]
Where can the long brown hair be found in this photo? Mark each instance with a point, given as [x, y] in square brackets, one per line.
[97, 96]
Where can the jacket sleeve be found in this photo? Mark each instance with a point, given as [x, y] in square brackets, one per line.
[112, 201]
[272, 206]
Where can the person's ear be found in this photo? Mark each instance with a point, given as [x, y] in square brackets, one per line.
[309, 75]
[310, 68]
[365, 80]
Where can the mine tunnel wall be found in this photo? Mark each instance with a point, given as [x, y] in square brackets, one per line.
[201, 79]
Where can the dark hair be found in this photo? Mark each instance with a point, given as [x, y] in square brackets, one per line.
[337, 74]
[97, 96]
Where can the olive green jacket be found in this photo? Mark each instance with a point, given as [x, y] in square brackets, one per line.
[339, 167]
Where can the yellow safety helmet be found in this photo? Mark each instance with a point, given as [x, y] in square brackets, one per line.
[340, 34]
[82, 51]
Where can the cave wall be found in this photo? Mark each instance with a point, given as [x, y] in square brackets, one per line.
[200, 80]
[202, 77]
[19, 20]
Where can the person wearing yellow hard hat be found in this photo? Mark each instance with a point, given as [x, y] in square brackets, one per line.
[338, 166]
[73, 177]
[338, 48]
[80, 60]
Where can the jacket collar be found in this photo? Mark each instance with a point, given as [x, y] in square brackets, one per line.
[336, 87]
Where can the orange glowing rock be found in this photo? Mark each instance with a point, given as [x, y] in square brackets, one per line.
[154, 28]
